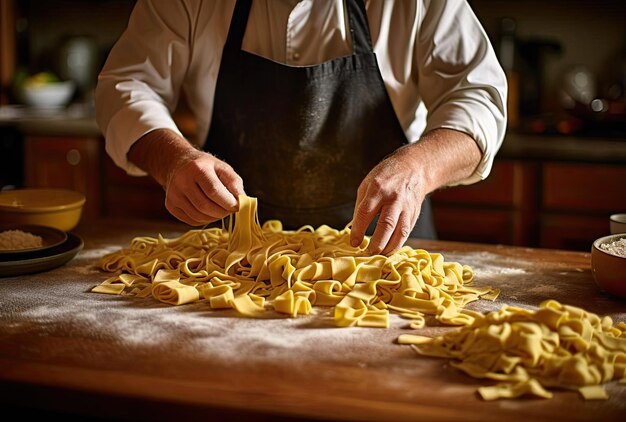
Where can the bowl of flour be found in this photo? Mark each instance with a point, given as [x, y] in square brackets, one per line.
[608, 263]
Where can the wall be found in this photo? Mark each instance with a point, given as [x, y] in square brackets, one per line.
[43, 25]
[591, 32]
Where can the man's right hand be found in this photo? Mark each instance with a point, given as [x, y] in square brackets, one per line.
[199, 187]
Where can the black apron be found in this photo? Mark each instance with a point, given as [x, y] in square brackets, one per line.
[303, 138]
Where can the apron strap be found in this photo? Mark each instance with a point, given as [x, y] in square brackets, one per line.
[357, 21]
[238, 24]
[359, 27]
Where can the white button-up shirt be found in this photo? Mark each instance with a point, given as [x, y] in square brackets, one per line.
[435, 59]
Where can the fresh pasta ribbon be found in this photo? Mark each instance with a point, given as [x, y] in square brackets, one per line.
[246, 265]
[528, 350]
[175, 293]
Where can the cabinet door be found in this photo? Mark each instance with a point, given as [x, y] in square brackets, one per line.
[573, 232]
[475, 225]
[67, 163]
[131, 196]
[577, 201]
[592, 188]
[500, 209]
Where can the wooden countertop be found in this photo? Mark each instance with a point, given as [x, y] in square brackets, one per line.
[76, 120]
[67, 350]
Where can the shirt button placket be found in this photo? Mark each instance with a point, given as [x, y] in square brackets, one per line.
[290, 54]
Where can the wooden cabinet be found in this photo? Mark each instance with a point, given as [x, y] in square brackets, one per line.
[577, 202]
[500, 209]
[81, 164]
[131, 196]
[68, 163]
[532, 203]
[592, 188]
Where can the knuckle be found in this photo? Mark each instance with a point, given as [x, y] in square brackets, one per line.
[405, 230]
[377, 184]
[362, 212]
[204, 208]
[195, 166]
[177, 180]
[210, 190]
[387, 223]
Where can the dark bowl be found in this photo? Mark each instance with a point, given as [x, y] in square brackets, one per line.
[609, 270]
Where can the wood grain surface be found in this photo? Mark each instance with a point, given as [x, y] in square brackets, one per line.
[64, 350]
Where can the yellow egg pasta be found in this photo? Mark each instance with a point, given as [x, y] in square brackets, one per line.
[245, 265]
[529, 350]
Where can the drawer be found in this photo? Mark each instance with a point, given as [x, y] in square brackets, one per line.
[584, 188]
[474, 225]
[562, 231]
[510, 184]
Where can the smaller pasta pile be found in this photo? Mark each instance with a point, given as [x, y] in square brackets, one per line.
[527, 350]
[248, 265]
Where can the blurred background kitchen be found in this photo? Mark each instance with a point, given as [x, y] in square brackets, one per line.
[559, 175]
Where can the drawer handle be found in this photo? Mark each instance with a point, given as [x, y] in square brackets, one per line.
[73, 157]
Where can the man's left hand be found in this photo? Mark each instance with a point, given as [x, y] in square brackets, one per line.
[394, 190]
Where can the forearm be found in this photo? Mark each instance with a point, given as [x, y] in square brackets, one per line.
[443, 157]
[161, 151]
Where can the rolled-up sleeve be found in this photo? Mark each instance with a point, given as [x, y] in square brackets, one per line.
[138, 87]
[460, 80]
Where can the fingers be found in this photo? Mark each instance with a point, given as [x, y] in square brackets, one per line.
[197, 205]
[230, 180]
[393, 229]
[181, 214]
[212, 188]
[366, 209]
[391, 191]
[203, 190]
[387, 225]
[401, 233]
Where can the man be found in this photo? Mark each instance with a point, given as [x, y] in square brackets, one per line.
[328, 111]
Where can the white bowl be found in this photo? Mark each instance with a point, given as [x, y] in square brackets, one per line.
[618, 223]
[49, 95]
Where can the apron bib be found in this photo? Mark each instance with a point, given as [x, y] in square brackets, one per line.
[303, 138]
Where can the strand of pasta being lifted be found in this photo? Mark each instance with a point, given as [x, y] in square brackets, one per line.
[247, 265]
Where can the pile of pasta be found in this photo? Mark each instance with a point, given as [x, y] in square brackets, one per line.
[528, 350]
[249, 268]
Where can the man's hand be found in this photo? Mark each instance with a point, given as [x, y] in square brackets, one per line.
[199, 187]
[203, 189]
[395, 189]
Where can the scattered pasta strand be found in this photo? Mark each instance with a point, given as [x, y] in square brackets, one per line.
[247, 265]
[528, 350]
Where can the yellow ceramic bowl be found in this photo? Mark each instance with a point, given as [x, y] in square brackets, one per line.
[58, 208]
[609, 269]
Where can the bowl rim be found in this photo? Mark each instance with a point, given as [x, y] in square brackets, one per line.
[614, 217]
[606, 239]
[79, 202]
[66, 83]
